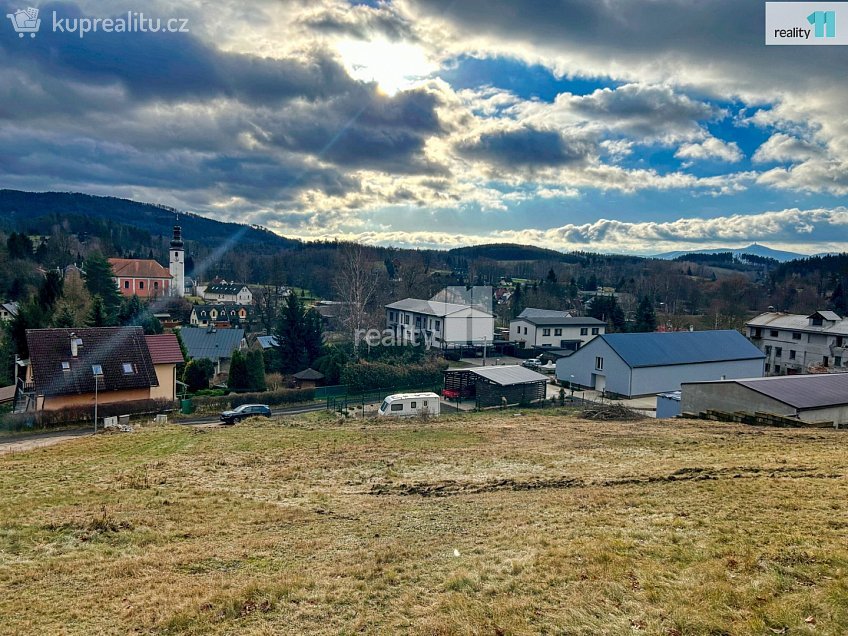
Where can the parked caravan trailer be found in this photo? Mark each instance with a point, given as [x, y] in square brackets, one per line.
[409, 404]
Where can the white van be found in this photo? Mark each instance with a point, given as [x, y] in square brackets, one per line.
[407, 404]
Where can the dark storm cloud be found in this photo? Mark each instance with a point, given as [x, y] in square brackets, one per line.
[724, 37]
[169, 66]
[361, 22]
[171, 111]
[644, 110]
[64, 159]
[528, 147]
[363, 129]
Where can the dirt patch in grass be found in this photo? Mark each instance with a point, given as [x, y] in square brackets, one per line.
[451, 488]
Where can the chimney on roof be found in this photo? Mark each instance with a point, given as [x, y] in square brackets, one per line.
[76, 343]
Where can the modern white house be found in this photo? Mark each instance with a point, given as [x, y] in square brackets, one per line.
[441, 324]
[795, 343]
[225, 292]
[531, 330]
[636, 364]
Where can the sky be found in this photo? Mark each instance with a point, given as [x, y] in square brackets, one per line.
[605, 125]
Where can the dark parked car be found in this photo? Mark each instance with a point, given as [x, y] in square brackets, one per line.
[245, 410]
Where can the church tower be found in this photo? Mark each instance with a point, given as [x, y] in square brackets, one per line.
[177, 263]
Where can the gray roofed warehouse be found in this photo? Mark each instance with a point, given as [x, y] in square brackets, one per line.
[810, 398]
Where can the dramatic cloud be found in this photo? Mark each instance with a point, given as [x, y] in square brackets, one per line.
[710, 148]
[527, 147]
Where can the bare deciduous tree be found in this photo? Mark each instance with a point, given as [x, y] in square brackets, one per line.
[355, 283]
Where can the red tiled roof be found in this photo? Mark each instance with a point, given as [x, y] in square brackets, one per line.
[109, 347]
[164, 349]
[138, 268]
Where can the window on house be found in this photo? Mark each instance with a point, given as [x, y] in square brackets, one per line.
[796, 335]
[557, 332]
[413, 405]
[773, 333]
[418, 321]
[817, 322]
[594, 331]
[141, 284]
[777, 369]
[66, 366]
[778, 352]
[424, 403]
[406, 319]
[397, 407]
[768, 350]
[792, 354]
[546, 332]
[155, 284]
[128, 368]
[599, 363]
[825, 361]
[126, 284]
[839, 341]
[584, 331]
[438, 325]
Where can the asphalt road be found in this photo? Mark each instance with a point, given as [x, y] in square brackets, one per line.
[18, 443]
[291, 410]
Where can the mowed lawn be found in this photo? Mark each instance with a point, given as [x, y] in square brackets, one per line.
[482, 524]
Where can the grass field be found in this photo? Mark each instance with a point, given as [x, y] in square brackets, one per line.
[485, 524]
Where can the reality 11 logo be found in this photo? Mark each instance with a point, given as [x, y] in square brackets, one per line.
[825, 23]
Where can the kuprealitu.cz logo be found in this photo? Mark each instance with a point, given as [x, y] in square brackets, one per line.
[28, 22]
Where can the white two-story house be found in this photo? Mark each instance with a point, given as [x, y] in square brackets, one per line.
[234, 293]
[531, 330]
[440, 324]
[795, 344]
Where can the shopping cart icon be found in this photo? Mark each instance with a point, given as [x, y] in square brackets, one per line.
[25, 21]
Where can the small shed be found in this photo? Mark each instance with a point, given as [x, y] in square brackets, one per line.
[495, 386]
[308, 378]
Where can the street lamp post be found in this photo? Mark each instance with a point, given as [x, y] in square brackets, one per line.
[571, 386]
[97, 372]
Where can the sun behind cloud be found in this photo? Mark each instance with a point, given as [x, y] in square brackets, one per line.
[394, 66]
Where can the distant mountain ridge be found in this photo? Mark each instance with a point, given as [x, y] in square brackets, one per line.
[20, 210]
[754, 248]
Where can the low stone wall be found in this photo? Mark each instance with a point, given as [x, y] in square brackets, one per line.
[756, 419]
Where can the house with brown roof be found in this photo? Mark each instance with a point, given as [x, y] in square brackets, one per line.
[166, 354]
[67, 366]
[142, 277]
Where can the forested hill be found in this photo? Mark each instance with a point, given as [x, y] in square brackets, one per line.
[507, 252]
[36, 212]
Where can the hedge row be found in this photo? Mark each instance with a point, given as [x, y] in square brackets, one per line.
[81, 414]
[283, 396]
[365, 376]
